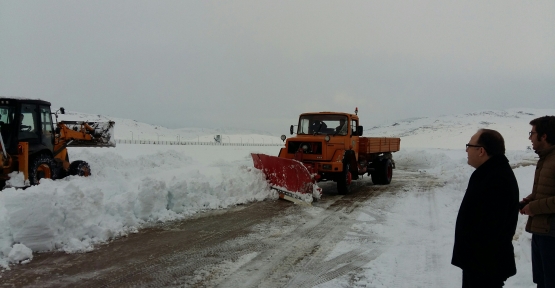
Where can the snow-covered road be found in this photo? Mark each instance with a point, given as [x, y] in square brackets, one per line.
[266, 244]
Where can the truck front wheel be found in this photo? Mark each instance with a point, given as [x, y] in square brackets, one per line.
[344, 181]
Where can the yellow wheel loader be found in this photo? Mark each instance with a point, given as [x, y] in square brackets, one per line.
[36, 146]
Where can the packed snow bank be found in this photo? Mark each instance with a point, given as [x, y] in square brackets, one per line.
[123, 195]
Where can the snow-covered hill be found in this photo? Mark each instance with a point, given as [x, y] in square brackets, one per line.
[454, 131]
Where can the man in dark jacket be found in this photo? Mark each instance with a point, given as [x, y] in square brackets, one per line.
[540, 205]
[488, 215]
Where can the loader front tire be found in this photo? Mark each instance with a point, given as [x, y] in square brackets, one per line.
[79, 168]
[344, 181]
[42, 166]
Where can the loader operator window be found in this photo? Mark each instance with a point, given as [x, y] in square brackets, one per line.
[46, 127]
[27, 124]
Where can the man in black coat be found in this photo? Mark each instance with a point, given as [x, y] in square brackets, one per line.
[488, 215]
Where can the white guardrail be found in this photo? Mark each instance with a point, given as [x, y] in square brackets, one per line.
[151, 142]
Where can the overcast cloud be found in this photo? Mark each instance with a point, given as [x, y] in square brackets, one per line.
[258, 64]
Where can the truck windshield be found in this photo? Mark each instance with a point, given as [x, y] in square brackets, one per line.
[323, 124]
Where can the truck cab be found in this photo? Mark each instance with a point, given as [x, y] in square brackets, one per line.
[327, 144]
[330, 145]
[321, 141]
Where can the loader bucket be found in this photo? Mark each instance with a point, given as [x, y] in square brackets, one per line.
[289, 177]
[100, 134]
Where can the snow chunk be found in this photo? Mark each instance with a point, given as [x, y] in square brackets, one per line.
[17, 179]
[20, 254]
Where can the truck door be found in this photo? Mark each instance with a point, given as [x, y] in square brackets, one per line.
[355, 139]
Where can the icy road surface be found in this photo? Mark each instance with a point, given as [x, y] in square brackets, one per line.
[266, 244]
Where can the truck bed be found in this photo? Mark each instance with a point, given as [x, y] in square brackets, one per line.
[368, 145]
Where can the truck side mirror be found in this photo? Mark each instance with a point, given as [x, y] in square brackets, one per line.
[359, 130]
[291, 129]
[62, 110]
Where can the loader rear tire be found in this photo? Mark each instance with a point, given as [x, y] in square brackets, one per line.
[79, 168]
[344, 181]
[42, 166]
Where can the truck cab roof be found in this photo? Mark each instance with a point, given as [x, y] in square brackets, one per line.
[352, 116]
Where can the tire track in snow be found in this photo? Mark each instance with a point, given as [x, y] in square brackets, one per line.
[422, 250]
[303, 250]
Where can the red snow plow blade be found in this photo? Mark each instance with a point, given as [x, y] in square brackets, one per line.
[289, 177]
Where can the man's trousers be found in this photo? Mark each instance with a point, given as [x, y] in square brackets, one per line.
[543, 260]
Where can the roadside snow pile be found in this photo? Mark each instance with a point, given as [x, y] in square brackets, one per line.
[122, 195]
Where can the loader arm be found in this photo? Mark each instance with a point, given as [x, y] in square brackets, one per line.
[86, 134]
[69, 134]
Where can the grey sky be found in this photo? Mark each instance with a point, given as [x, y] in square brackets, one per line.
[258, 64]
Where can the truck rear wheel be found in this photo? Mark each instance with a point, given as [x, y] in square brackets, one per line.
[344, 181]
[80, 168]
[383, 173]
[42, 166]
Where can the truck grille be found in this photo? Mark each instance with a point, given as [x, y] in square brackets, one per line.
[312, 147]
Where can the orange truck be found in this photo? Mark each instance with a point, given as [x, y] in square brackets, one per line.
[328, 147]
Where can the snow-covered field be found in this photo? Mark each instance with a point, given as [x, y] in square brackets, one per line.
[134, 186]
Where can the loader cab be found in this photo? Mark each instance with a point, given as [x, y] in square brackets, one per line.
[26, 120]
